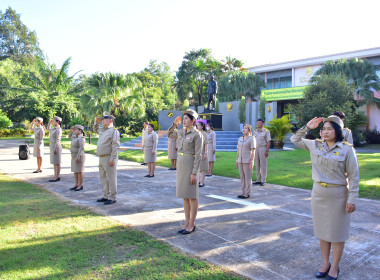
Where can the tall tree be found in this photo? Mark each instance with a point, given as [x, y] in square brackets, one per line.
[119, 94]
[16, 40]
[188, 74]
[236, 84]
[327, 94]
[44, 89]
[360, 73]
[232, 64]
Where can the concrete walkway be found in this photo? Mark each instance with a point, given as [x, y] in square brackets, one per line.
[269, 236]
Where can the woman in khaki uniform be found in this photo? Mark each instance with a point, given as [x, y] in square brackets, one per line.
[149, 149]
[55, 130]
[244, 160]
[189, 145]
[336, 185]
[204, 162]
[172, 153]
[77, 156]
[38, 147]
[211, 136]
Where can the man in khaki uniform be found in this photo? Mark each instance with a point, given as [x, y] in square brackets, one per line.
[107, 150]
[347, 134]
[262, 136]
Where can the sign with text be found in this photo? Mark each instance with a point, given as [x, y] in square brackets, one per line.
[283, 93]
[302, 75]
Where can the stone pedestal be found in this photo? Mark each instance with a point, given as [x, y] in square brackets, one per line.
[214, 117]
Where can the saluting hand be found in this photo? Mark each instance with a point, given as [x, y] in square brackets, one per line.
[312, 124]
[98, 120]
[177, 120]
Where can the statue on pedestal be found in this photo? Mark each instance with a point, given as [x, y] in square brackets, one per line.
[212, 89]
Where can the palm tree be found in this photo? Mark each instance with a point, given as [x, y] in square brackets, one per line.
[52, 89]
[116, 93]
[360, 73]
[232, 64]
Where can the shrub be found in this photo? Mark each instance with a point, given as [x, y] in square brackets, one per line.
[5, 121]
[279, 127]
[372, 136]
[77, 120]
[185, 105]
[14, 132]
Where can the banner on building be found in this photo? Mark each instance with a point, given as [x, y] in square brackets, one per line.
[283, 94]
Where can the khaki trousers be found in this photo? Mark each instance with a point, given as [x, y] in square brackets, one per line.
[245, 178]
[261, 164]
[108, 177]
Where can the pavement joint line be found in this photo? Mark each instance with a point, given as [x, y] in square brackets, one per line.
[257, 206]
[242, 247]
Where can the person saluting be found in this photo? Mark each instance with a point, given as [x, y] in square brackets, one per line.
[335, 174]
[189, 145]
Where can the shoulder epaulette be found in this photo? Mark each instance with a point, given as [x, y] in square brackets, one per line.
[319, 140]
[347, 129]
[266, 129]
[114, 128]
[346, 143]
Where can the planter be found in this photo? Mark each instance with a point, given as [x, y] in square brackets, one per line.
[278, 144]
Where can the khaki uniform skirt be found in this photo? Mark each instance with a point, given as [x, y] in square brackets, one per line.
[330, 220]
[36, 152]
[204, 164]
[77, 167]
[148, 157]
[184, 168]
[55, 158]
[172, 151]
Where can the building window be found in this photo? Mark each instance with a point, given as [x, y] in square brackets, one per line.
[282, 82]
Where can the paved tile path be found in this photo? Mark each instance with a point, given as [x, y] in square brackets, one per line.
[268, 236]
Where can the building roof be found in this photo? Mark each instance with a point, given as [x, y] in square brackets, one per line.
[314, 60]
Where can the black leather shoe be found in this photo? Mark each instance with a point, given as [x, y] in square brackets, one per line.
[58, 179]
[188, 232]
[262, 184]
[201, 185]
[240, 196]
[147, 175]
[102, 199]
[244, 197]
[109, 201]
[256, 183]
[208, 175]
[77, 190]
[319, 274]
[170, 168]
[73, 188]
[37, 171]
[332, 278]
[143, 163]
[150, 176]
[181, 231]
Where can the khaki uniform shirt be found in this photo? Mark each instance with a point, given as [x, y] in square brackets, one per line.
[144, 132]
[39, 134]
[150, 140]
[55, 136]
[205, 141]
[108, 142]
[245, 144]
[77, 145]
[262, 137]
[347, 135]
[332, 166]
[189, 143]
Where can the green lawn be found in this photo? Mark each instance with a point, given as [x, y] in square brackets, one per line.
[43, 237]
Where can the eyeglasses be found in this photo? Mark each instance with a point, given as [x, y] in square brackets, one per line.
[327, 128]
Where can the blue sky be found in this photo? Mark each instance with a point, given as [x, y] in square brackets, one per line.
[123, 36]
